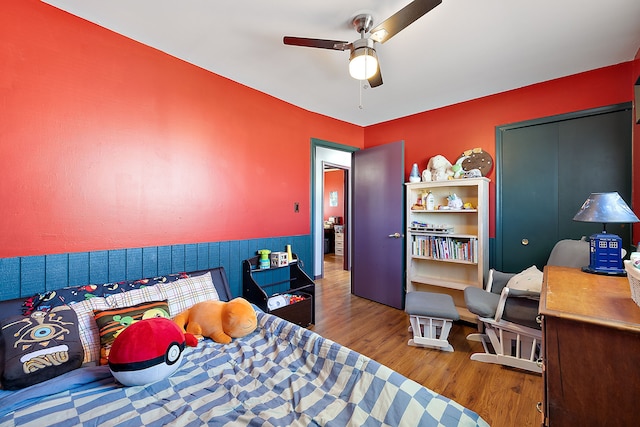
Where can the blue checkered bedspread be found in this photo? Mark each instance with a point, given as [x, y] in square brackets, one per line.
[280, 375]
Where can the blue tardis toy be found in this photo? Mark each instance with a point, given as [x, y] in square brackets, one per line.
[606, 255]
[605, 248]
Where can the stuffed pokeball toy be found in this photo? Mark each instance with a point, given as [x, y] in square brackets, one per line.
[148, 351]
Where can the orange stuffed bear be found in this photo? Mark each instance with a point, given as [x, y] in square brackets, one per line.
[219, 320]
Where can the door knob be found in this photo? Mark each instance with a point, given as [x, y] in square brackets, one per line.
[524, 242]
[395, 235]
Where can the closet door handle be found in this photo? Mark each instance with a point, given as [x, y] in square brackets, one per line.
[396, 235]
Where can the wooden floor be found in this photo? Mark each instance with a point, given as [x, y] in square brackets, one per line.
[504, 397]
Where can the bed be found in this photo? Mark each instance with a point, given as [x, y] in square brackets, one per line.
[279, 375]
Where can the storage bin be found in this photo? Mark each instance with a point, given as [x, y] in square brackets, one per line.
[633, 274]
[299, 312]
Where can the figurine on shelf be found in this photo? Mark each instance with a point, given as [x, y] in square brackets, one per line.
[415, 174]
[454, 202]
[264, 258]
[418, 206]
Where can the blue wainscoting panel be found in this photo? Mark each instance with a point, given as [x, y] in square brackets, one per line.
[203, 256]
[164, 260]
[26, 276]
[190, 258]
[214, 254]
[32, 275]
[9, 278]
[99, 267]
[118, 266]
[150, 262]
[177, 258]
[79, 269]
[56, 274]
[134, 264]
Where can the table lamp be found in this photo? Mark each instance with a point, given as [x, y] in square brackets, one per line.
[605, 248]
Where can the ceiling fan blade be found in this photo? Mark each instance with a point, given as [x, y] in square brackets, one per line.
[402, 19]
[324, 44]
[376, 80]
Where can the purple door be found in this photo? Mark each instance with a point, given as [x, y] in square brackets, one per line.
[378, 219]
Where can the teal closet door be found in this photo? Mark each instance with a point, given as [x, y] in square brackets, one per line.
[595, 156]
[546, 170]
[529, 196]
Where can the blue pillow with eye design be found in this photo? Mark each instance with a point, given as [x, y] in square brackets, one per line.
[39, 347]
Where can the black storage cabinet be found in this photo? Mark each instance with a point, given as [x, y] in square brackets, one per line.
[299, 283]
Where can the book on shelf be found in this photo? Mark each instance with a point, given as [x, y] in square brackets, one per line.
[446, 248]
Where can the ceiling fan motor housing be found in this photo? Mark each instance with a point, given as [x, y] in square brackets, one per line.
[363, 23]
[362, 43]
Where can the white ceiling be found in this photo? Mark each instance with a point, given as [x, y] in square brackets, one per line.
[462, 49]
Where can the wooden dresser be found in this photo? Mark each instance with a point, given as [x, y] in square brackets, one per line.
[591, 348]
[339, 244]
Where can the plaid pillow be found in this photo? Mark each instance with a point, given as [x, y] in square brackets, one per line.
[185, 293]
[87, 327]
[138, 296]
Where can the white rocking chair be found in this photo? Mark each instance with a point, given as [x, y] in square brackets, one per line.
[508, 342]
[509, 330]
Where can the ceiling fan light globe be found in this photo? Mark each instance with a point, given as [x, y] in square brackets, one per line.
[363, 63]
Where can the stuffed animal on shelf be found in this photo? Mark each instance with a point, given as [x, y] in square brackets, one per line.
[454, 202]
[219, 320]
[148, 351]
[438, 169]
[458, 172]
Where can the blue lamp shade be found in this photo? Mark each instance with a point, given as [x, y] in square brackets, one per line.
[606, 249]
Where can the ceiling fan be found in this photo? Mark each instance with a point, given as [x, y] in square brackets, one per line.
[363, 61]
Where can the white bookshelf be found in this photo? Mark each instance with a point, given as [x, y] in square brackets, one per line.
[448, 250]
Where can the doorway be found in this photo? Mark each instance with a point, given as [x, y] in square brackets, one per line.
[333, 213]
[375, 233]
[333, 156]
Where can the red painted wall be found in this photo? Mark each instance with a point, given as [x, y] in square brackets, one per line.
[106, 143]
[333, 181]
[453, 129]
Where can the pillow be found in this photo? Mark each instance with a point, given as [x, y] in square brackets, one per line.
[180, 295]
[135, 297]
[185, 293]
[528, 280]
[112, 322]
[87, 327]
[39, 347]
[75, 294]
